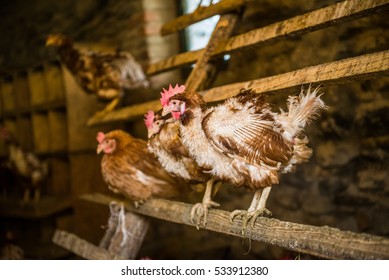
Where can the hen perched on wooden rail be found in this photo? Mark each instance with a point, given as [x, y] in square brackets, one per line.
[165, 143]
[243, 142]
[107, 75]
[128, 168]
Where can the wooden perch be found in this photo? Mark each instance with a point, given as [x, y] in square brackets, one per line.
[201, 13]
[296, 26]
[324, 242]
[82, 247]
[367, 66]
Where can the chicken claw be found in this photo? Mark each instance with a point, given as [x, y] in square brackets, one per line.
[201, 211]
[257, 208]
[247, 216]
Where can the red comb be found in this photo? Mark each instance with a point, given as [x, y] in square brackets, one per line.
[166, 94]
[100, 137]
[149, 118]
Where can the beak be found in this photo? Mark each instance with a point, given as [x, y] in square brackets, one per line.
[149, 134]
[99, 149]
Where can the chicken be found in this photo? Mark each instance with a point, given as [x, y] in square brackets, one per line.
[128, 168]
[243, 142]
[165, 143]
[30, 169]
[108, 75]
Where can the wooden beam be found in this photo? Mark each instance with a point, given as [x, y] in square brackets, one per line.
[82, 247]
[296, 26]
[201, 13]
[325, 242]
[125, 113]
[222, 32]
[362, 67]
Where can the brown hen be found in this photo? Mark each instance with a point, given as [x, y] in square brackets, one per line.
[128, 168]
[108, 75]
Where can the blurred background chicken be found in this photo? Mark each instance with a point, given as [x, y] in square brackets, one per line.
[108, 75]
[128, 168]
[243, 142]
[31, 171]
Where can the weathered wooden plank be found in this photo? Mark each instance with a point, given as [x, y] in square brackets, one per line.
[201, 13]
[125, 113]
[129, 235]
[367, 66]
[82, 247]
[312, 21]
[222, 32]
[325, 242]
[356, 68]
[296, 26]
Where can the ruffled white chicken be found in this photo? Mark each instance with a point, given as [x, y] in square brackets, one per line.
[243, 142]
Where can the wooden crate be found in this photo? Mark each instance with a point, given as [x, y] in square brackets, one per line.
[59, 182]
[24, 132]
[21, 92]
[41, 132]
[58, 134]
[7, 95]
[54, 83]
[10, 124]
[36, 82]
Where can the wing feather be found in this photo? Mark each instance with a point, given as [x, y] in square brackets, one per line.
[248, 133]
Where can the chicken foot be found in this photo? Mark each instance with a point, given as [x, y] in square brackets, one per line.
[257, 208]
[201, 209]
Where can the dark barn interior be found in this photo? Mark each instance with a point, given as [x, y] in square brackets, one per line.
[344, 185]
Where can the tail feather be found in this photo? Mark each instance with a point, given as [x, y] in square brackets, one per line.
[302, 110]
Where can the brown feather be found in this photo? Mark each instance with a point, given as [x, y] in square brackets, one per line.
[134, 172]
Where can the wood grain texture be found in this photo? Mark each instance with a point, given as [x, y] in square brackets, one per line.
[299, 25]
[82, 247]
[201, 13]
[222, 32]
[363, 67]
[136, 227]
[324, 242]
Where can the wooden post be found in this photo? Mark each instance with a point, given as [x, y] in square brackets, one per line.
[127, 245]
[125, 232]
[221, 33]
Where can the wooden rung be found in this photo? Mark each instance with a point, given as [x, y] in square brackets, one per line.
[362, 67]
[325, 242]
[201, 13]
[299, 25]
[82, 247]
